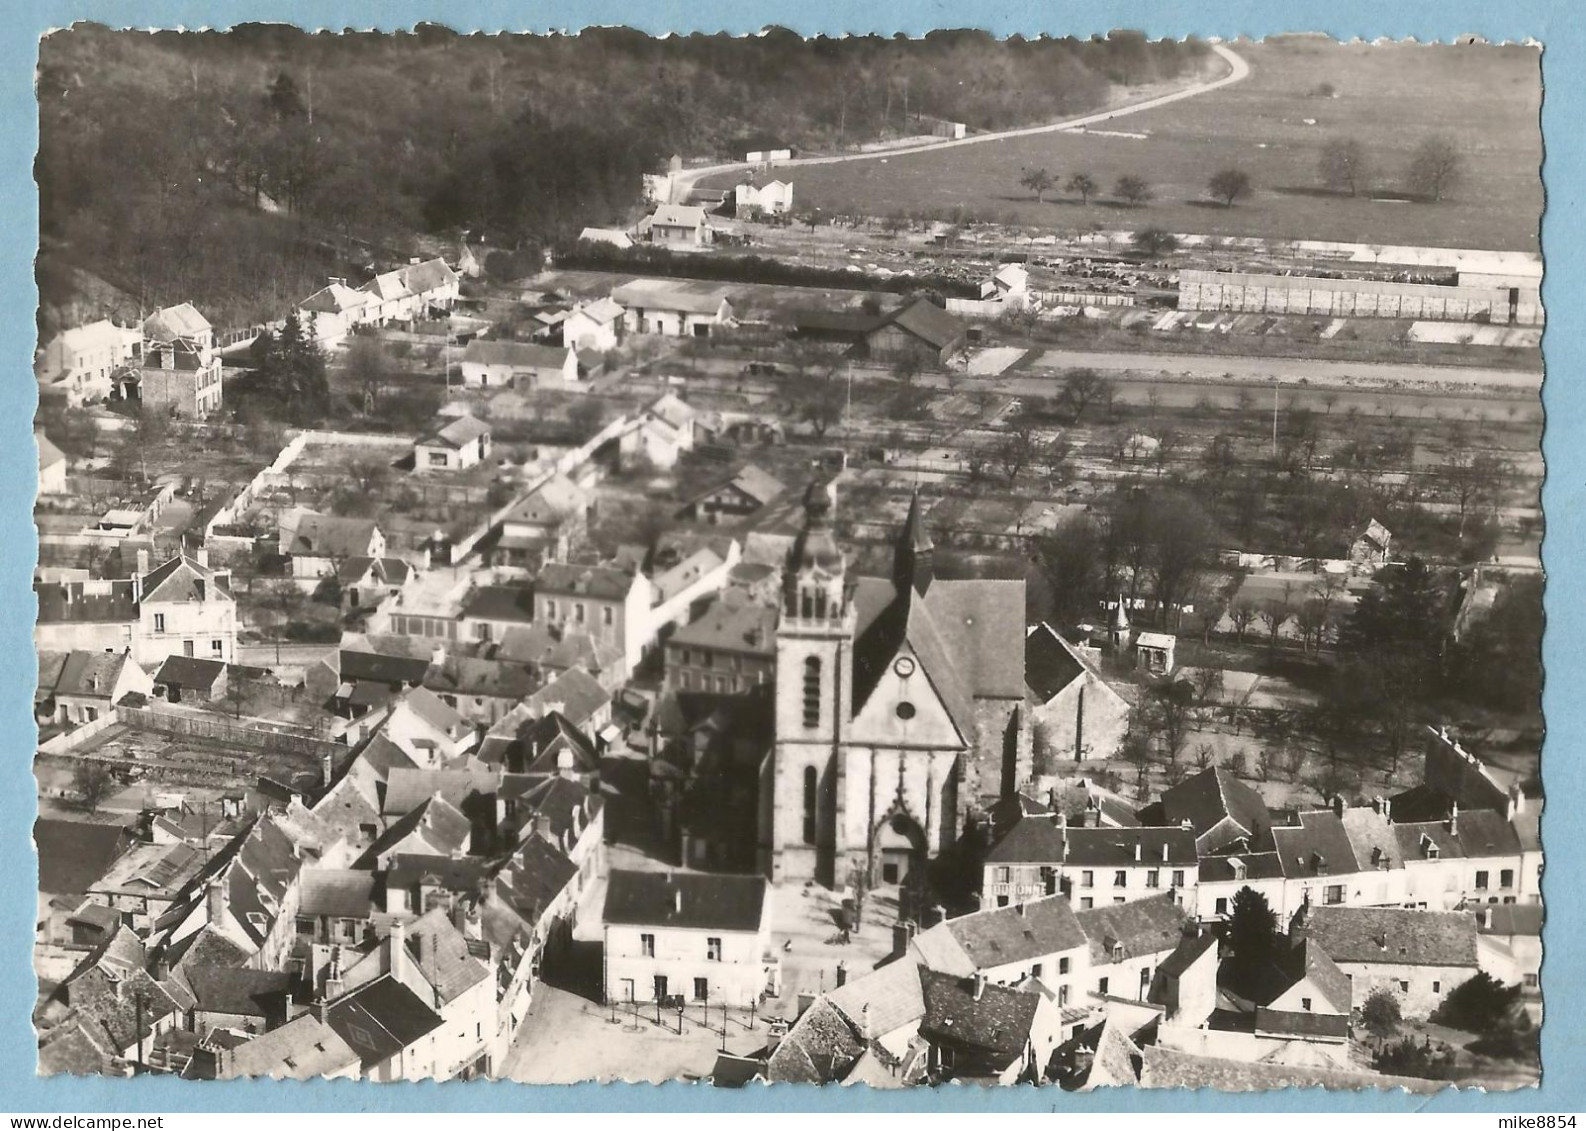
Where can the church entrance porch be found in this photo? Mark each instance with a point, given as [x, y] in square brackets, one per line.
[899, 852]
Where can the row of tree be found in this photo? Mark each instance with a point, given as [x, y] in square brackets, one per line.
[1432, 170]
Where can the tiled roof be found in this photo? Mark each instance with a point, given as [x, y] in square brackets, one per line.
[1036, 839]
[183, 579]
[928, 322]
[458, 433]
[1211, 797]
[1509, 919]
[331, 536]
[91, 673]
[993, 1027]
[49, 454]
[1318, 846]
[481, 678]
[1001, 935]
[668, 294]
[440, 953]
[1104, 847]
[744, 627]
[406, 788]
[67, 603]
[1393, 936]
[574, 693]
[1187, 953]
[339, 893]
[1257, 866]
[555, 500]
[1050, 663]
[305, 1048]
[424, 278]
[381, 1019]
[179, 321]
[335, 299]
[189, 671]
[884, 1000]
[500, 603]
[245, 992]
[520, 355]
[563, 579]
[1141, 927]
[685, 899]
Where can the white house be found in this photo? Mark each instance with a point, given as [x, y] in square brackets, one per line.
[593, 326]
[1075, 714]
[79, 363]
[1009, 283]
[674, 309]
[329, 314]
[679, 225]
[687, 937]
[427, 730]
[433, 283]
[318, 543]
[766, 196]
[526, 365]
[389, 299]
[78, 687]
[52, 466]
[456, 446]
[1418, 956]
[616, 237]
[185, 608]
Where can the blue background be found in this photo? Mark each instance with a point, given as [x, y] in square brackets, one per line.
[1563, 34]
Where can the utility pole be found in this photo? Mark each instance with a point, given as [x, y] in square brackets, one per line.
[1274, 419]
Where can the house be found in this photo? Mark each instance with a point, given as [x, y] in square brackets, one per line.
[679, 225]
[1074, 712]
[730, 648]
[367, 582]
[97, 615]
[1222, 810]
[490, 611]
[1472, 857]
[1009, 283]
[674, 308]
[146, 882]
[1222, 876]
[1129, 941]
[985, 1033]
[544, 745]
[610, 604]
[864, 1031]
[80, 363]
[578, 697]
[435, 828]
[1509, 944]
[1186, 981]
[1298, 995]
[330, 313]
[522, 365]
[1043, 856]
[614, 237]
[305, 1048]
[185, 608]
[1418, 956]
[762, 196]
[919, 329]
[83, 686]
[455, 446]
[527, 910]
[480, 689]
[1318, 860]
[52, 466]
[593, 327]
[749, 490]
[552, 651]
[336, 906]
[180, 374]
[548, 524]
[389, 1027]
[363, 675]
[427, 730]
[1041, 939]
[317, 543]
[433, 283]
[197, 678]
[238, 1000]
[688, 937]
[388, 300]
[1371, 546]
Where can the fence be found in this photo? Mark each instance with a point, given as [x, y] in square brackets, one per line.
[72, 740]
[256, 734]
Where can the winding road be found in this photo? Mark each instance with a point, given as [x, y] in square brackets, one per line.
[1238, 70]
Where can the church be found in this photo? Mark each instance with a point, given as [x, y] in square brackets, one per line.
[899, 708]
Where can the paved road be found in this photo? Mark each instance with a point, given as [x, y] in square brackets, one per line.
[1238, 70]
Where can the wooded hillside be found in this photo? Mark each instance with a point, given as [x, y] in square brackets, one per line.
[237, 169]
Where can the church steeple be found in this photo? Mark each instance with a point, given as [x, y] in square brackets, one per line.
[912, 568]
[813, 580]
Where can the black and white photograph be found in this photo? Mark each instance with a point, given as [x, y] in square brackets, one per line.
[760, 560]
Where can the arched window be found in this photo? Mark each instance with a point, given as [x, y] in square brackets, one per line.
[811, 788]
[812, 692]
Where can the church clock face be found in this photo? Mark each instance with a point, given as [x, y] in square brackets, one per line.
[904, 666]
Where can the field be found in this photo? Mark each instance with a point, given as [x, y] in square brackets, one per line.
[1486, 99]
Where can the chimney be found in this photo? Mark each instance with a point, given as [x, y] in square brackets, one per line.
[1138, 851]
[1019, 907]
[564, 764]
[143, 562]
[979, 986]
[902, 935]
[201, 556]
[1164, 852]
[542, 829]
[438, 655]
[1387, 809]
[215, 901]
[399, 951]
[1453, 820]
[842, 974]
[1516, 801]
[677, 901]
[1339, 805]
[160, 970]
[326, 768]
[1486, 917]
[864, 1023]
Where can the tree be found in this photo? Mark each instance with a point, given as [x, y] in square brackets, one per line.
[587, 414]
[1038, 181]
[1080, 388]
[291, 368]
[1473, 479]
[1082, 183]
[1132, 190]
[284, 598]
[1154, 242]
[1229, 185]
[94, 782]
[1435, 168]
[818, 400]
[1343, 165]
[367, 366]
[1481, 1004]
[1016, 451]
[1380, 1014]
[1252, 928]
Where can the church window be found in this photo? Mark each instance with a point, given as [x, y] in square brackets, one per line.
[811, 786]
[812, 691]
[905, 711]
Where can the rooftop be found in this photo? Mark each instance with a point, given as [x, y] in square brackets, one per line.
[686, 899]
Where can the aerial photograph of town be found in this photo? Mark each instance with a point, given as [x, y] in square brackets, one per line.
[780, 560]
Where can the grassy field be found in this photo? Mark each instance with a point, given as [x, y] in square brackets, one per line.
[1486, 99]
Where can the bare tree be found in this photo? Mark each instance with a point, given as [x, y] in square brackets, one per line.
[1229, 185]
[1343, 165]
[1435, 168]
[1241, 613]
[1082, 183]
[1132, 190]
[94, 782]
[1080, 388]
[1038, 181]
